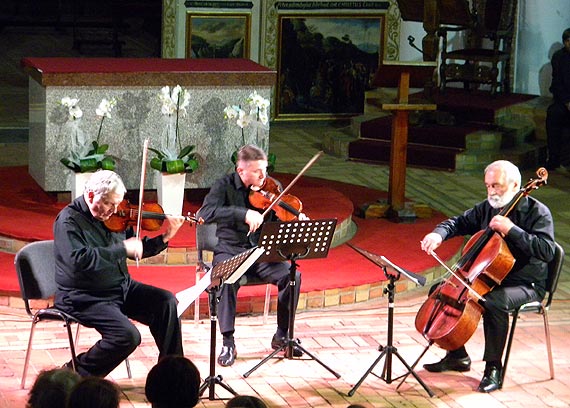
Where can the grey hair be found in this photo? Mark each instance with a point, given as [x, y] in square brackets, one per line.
[103, 182]
[511, 171]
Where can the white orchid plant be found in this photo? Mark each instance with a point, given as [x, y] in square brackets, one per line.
[255, 114]
[172, 158]
[87, 156]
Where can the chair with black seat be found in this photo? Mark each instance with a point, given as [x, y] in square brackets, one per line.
[554, 270]
[206, 241]
[35, 267]
[484, 64]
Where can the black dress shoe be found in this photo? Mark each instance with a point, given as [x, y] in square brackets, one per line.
[278, 342]
[449, 364]
[491, 380]
[227, 356]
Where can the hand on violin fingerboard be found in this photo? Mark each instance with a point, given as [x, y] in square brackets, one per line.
[134, 248]
[254, 219]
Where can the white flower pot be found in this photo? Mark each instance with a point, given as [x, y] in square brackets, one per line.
[78, 181]
[170, 192]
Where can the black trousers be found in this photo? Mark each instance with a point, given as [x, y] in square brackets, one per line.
[111, 313]
[557, 118]
[276, 273]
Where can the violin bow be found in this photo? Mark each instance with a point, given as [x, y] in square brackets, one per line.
[307, 166]
[141, 192]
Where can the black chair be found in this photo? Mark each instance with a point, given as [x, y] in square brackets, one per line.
[554, 270]
[35, 267]
[206, 241]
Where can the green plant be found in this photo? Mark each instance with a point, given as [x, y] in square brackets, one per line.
[169, 159]
[255, 115]
[85, 156]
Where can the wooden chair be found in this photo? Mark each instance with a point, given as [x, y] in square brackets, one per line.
[206, 241]
[554, 271]
[486, 55]
[35, 267]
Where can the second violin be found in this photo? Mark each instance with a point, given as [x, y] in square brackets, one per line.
[287, 208]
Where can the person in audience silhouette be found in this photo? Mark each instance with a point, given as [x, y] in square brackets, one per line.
[558, 113]
[172, 383]
[246, 401]
[51, 388]
[528, 231]
[238, 226]
[94, 392]
[94, 285]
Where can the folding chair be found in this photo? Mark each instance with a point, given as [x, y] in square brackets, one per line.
[35, 267]
[554, 270]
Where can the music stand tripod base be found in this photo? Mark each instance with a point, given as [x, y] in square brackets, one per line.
[389, 350]
[228, 271]
[292, 241]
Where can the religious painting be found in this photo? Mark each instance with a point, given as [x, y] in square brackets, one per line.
[326, 63]
[218, 35]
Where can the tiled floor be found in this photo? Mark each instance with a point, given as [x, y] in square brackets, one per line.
[344, 338]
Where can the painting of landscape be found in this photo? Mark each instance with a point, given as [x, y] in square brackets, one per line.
[326, 63]
[218, 36]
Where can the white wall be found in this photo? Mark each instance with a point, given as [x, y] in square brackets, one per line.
[539, 34]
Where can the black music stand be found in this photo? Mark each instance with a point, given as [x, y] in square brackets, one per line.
[291, 241]
[389, 350]
[228, 271]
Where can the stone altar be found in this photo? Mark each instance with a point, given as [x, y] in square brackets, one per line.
[135, 83]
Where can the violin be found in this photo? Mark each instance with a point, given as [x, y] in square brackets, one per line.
[450, 315]
[152, 217]
[287, 208]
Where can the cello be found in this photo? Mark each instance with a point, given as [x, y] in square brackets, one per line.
[450, 315]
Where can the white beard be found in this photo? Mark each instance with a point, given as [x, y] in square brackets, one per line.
[497, 201]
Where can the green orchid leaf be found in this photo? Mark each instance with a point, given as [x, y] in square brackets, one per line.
[185, 151]
[102, 149]
[86, 165]
[156, 163]
[69, 164]
[191, 166]
[174, 166]
[108, 164]
[160, 154]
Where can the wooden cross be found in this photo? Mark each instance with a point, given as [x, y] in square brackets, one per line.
[399, 142]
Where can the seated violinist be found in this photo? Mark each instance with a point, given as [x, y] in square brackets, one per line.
[238, 227]
[94, 285]
[528, 231]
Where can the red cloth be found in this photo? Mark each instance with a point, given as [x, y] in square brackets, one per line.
[117, 65]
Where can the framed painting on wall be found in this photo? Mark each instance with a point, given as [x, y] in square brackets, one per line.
[326, 62]
[220, 35]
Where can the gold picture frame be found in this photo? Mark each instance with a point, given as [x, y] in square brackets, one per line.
[218, 35]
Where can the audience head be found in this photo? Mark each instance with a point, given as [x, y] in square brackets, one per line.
[94, 392]
[245, 401]
[174, 382]
[51, 388]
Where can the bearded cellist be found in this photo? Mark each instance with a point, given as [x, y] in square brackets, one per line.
[528, 231]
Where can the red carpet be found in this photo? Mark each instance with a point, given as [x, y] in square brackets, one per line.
[27, 213]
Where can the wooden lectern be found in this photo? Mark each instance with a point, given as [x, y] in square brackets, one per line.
[406, 75]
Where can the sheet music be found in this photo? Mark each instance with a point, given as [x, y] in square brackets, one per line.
[230, 270]
[187, 296]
